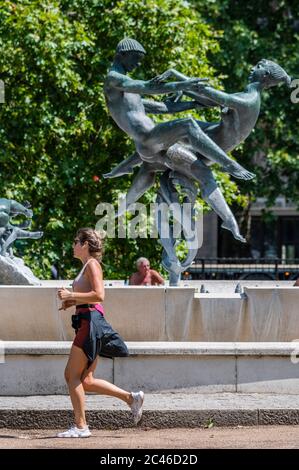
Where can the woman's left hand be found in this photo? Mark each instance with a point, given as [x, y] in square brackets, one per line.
[64, 294]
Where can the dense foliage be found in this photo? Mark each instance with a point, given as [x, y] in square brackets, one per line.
[56, 138]
[252, 31]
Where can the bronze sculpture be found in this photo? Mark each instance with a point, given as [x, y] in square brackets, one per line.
[183, 147]
[10, 232]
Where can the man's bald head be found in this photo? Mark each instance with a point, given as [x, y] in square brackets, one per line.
[142, 261]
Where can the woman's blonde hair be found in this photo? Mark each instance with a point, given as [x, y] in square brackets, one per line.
[94, 240]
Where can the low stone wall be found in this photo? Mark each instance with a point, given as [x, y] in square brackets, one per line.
[30, 313]
[36, 368]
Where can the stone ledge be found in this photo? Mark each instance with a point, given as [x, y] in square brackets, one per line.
[102, 419]
[218, 295]
[156, 348]
[163, 410]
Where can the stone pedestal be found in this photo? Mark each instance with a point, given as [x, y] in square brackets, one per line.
[14, 272]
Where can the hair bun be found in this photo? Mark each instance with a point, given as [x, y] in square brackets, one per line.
[94, 239]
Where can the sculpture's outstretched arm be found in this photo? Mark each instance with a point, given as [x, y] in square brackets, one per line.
[233, 100]
[150, 87]
[202, 100]
[169, 107]
[172, 73]
[8, 241]
[125, 167]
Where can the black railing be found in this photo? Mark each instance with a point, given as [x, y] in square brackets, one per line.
[244, 268]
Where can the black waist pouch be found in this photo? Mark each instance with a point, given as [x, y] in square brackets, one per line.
[76, 319]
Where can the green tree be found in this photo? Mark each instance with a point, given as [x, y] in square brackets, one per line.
[252, 31]
[56, 138]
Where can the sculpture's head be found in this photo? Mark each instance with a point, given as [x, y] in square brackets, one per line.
[129, 53]
[269, 74]
[16, 208]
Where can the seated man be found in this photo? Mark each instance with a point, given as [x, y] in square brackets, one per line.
[145, 276]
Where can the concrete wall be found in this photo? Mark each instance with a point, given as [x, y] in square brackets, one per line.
[36, 368]
[30, 313]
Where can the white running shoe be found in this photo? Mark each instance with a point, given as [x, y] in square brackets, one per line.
[136, 406]
[75, 432]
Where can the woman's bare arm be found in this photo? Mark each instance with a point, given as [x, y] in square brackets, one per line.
[67, 304]
[95, 275]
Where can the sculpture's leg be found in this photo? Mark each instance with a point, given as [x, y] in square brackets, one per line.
[10, 239]
[143, 181]
[170, 260]
[1, 245]
[214, 197]
[125, 167]
[218, 203]
[27, 234]
[15, 233]
[167, 194]
[168, 133]
[19, 233]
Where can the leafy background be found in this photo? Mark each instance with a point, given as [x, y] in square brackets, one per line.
[57, 139]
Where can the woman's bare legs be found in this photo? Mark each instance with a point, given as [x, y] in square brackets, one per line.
[80, 379]
[102, 387]
[73, 372]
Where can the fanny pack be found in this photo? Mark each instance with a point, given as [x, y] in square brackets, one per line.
[76, 319]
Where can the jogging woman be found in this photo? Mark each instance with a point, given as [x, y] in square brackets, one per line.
[94, 335]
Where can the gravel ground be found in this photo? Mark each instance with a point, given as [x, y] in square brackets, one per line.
[253, 437]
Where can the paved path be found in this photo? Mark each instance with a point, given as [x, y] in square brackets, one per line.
[182, 399]
[253, 437]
